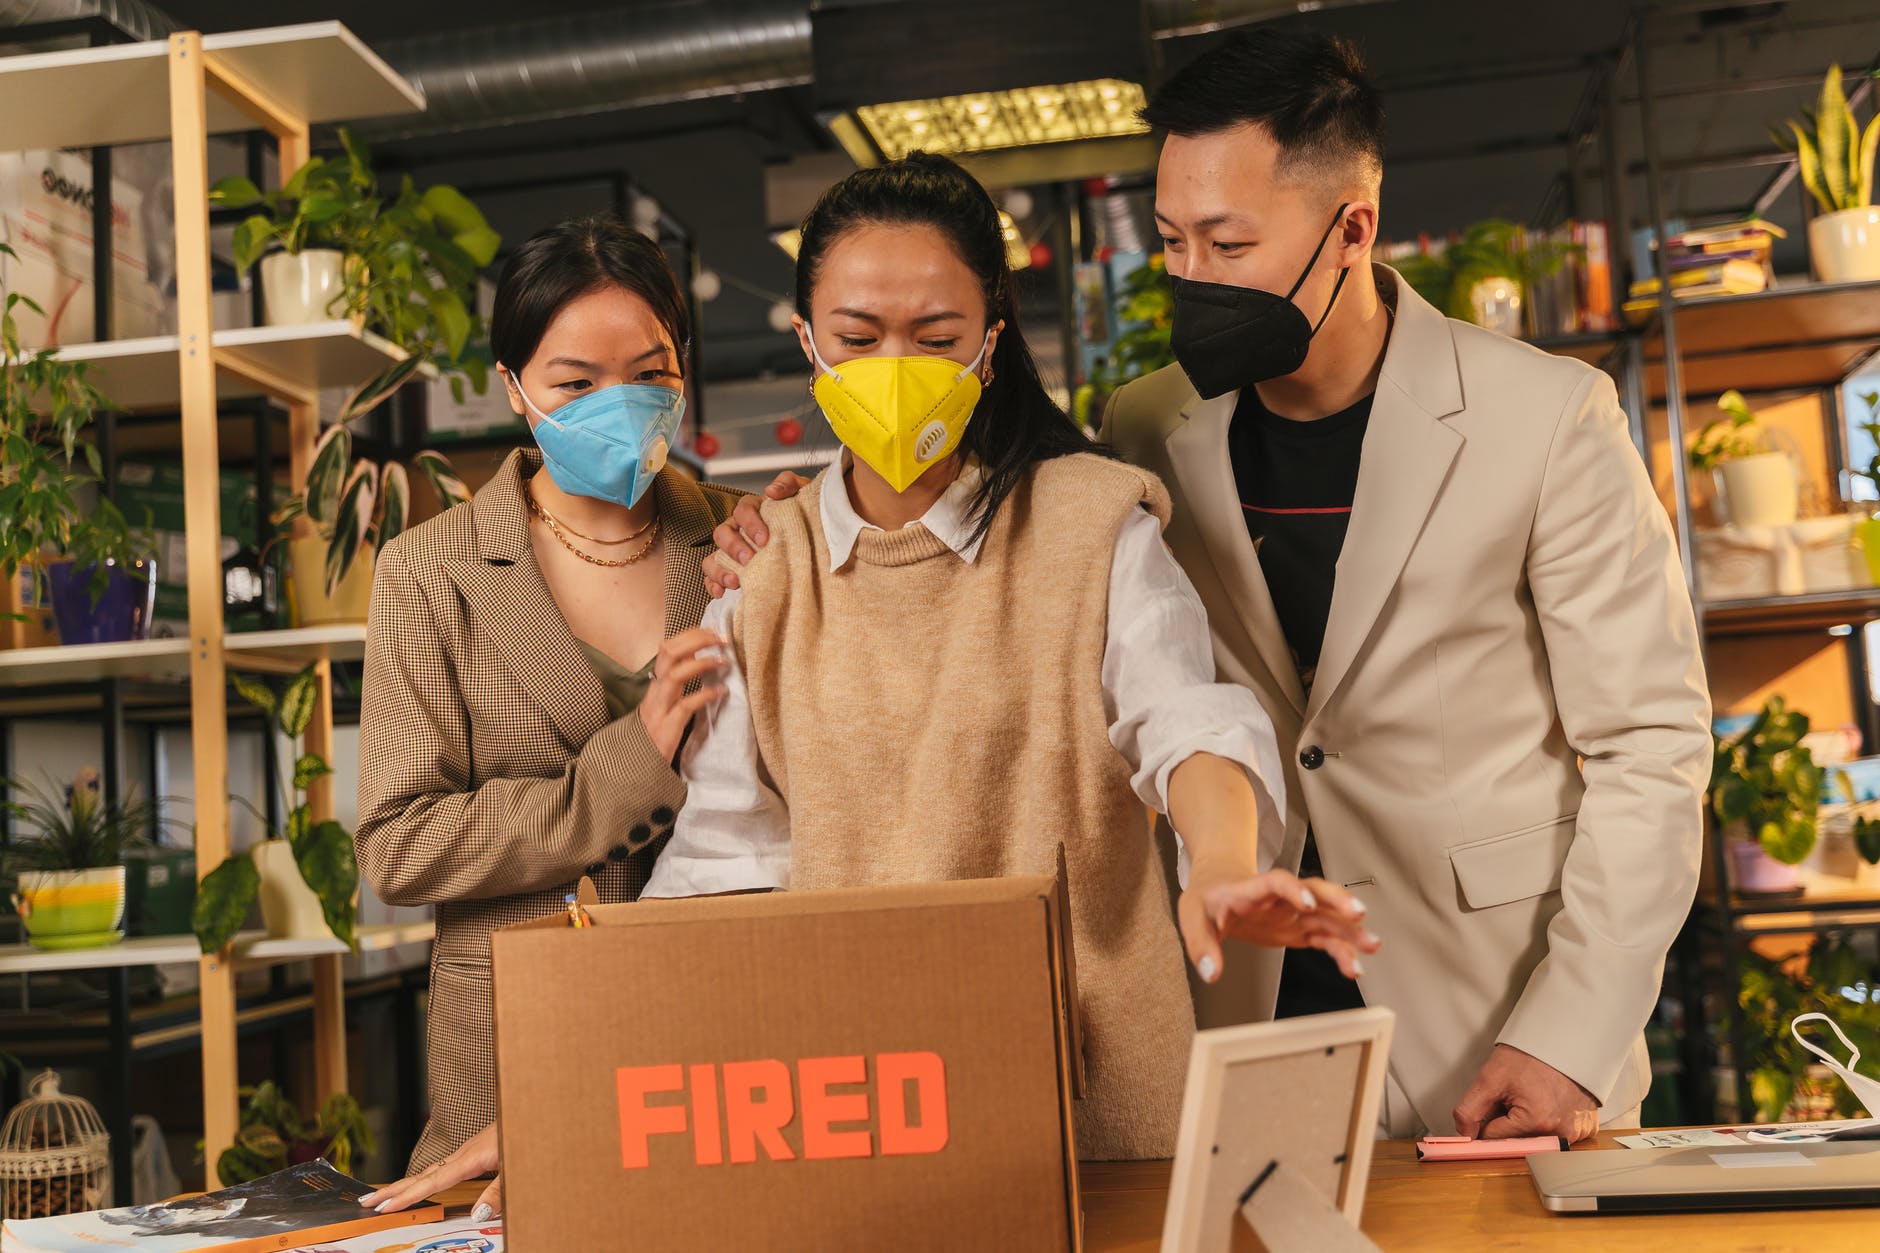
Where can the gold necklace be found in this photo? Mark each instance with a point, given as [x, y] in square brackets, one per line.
[541, 511]
[555, 530]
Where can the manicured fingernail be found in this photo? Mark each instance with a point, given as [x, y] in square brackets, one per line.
[369, 1199]
[382, 1206]
[482, 1213]
[1208, 968]
[1311, 901]
[1359, 908]
[1357, 968]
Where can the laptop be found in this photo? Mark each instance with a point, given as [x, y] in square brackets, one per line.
[1733, 1177]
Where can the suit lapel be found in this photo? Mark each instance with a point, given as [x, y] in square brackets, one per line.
[1407, 453]
[1198, 455]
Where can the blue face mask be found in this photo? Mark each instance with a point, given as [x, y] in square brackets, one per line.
[609, 444]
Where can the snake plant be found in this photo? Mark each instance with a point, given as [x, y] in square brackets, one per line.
[1836, 157]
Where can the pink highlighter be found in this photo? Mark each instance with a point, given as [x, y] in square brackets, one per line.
[1464, 1149]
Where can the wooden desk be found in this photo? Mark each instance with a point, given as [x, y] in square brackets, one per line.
[1462, 1206]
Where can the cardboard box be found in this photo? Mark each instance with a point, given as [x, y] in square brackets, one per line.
[876, 1068]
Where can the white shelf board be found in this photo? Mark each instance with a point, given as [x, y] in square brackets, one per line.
[88, 97]
[83, 663]
[145, 373]
[251, 948]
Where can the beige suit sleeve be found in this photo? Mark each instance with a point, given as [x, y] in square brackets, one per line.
[1628, 681]
[425, 833]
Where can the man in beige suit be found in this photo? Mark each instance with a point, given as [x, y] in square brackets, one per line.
[1435, 555]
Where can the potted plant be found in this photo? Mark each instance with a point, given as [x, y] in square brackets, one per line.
[70, 869]
[1785, 1081]
[331, 246]
[353, 506]
[1484, 275]
[1765, 793]
[273, 1136]
[304, 876]
[1756, 482]
[1145, 315]
[107, 590]
[1836, 160]
[1869, 529]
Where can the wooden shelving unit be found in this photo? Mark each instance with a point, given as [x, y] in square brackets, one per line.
[182, 90]
[249, 950]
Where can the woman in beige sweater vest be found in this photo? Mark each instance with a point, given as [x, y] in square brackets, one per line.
[966, 644]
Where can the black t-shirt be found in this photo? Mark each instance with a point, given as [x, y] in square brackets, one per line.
[1297, 481]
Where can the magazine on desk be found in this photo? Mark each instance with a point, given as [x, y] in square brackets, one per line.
[294, 1208]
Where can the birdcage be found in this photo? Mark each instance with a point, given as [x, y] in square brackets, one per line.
[55, 1155]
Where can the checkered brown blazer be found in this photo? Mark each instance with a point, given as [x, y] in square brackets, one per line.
[491, 777]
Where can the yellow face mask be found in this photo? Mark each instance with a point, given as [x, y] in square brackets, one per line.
[899, 415]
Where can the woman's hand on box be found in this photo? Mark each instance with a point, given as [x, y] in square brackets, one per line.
[477, 1157]
[1276, 909]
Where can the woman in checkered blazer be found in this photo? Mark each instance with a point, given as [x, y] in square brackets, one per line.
[515, 734]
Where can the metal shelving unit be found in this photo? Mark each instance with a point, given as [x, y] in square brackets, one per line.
[182, 90]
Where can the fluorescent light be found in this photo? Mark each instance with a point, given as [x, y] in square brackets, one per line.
[989, 120]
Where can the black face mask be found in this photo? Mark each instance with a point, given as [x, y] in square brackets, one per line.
[1228, 337]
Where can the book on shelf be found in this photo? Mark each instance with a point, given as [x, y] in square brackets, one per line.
[307, 1204]
[1726, 278]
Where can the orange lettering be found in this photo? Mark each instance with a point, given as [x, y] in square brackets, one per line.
[893, 1072]
[822, 1107]
[749, 1120]
[706, 1149]
[638, 1120]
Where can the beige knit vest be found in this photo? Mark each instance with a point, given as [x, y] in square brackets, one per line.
[925, 719]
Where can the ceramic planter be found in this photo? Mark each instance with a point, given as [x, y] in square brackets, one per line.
[289, 907]
[122, 613]
[72, 909]
[307, 577]
[1495, 304]
[1753, 870]
[1845, 245]
[302, 287]
[1762, 490]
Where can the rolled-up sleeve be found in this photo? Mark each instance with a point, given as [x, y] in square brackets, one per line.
[1159, 686]
[734, 833]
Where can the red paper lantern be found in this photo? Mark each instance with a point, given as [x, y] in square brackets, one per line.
[1040, 255]
[789, 432]
[706, 445]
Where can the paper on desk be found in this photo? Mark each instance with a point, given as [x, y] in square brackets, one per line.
[1702, 1137]
[446, 1237]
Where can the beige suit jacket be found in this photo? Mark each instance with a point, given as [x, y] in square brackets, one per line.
[1506, 742]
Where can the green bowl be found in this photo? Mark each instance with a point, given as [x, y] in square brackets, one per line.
[72, 908]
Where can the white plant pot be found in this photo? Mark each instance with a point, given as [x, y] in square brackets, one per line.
[1763, 490]
[1845, 245]
[1495, 305]
[302, 287]
[1754, 870]
[288, 906]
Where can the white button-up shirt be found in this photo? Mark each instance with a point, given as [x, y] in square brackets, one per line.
[1159, 694]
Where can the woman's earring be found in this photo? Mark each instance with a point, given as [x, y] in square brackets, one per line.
[988, 378]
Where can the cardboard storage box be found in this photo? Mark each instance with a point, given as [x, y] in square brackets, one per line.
[877, 1068]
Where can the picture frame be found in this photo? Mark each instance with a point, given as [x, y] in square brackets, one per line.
[1302, 1093]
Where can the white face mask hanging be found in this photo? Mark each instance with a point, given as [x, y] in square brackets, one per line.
[1865, 1090]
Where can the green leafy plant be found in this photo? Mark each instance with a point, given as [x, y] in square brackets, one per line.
[1830, 978]
[273, 1135]
[1736, 434]
[322, 850]
[1145, 306]
[73, 827]
[1871, 427]
[1490, 249]
[412, 259]
[45, 405]
[1835, 158]
[1767, 778]
[358, 506]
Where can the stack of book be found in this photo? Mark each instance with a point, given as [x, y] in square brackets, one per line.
[1731, 258]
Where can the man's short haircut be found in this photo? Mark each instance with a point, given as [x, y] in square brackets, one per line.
[1311, 92]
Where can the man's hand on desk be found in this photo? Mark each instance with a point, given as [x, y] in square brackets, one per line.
[477, 1157]
[1516, 1094]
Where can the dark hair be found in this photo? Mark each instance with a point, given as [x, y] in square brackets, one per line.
[1017, 425]
[580, 255]
[1312, 92]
